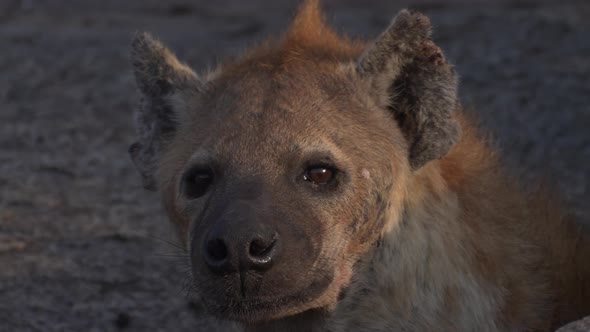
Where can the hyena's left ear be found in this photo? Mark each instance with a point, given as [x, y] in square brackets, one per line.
[409, 75]
[159, 76]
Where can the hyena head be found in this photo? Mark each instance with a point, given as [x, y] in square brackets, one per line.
[283, 167]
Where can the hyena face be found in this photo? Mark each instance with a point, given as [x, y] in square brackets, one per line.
[284, 167]
[278, 187]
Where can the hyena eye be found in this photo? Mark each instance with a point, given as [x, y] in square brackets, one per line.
[196, 182]
[319, 175]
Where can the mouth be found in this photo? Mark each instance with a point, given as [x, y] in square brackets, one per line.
[256, 309]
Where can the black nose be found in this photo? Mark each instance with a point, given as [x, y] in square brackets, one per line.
[246, 250]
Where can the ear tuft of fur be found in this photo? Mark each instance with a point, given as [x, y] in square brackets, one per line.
[157, 70]
[397, 46]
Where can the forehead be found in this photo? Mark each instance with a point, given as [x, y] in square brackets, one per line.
[270, 112]
[260, 118]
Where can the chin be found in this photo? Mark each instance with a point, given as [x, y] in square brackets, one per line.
[319, 295]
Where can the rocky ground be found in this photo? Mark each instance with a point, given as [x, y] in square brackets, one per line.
[84, 248]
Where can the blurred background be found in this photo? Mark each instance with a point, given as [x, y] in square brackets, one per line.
[83, 246]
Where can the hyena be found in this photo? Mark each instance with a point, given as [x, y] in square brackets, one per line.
[320, 183]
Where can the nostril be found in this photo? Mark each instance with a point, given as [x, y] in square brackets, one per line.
[261, 248]
[216, 250]
[262, 252]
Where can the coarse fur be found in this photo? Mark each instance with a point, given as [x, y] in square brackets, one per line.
[420, 229]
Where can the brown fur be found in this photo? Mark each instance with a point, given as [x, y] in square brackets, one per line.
[431, 236]
[534, 219]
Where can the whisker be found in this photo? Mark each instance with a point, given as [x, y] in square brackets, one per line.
[165, 254]
[175, 245]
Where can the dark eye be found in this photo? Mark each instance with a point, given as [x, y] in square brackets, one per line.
[319, 175]
[196, 182]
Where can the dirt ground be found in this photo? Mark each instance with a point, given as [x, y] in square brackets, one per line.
[83, 246]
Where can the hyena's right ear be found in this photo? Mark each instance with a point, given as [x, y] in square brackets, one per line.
[159, 76]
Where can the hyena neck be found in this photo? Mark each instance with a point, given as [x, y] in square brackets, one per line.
[417, 271]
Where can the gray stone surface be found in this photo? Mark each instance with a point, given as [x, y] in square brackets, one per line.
[83, 247]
